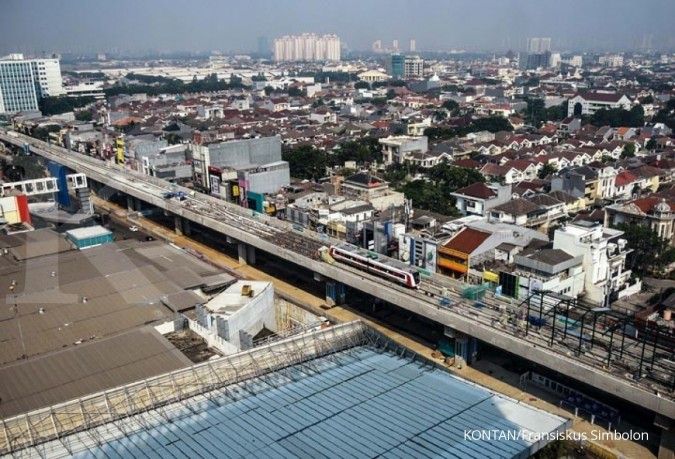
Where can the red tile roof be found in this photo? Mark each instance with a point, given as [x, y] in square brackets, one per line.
[601, 96]
[624, 178]
[467, 240]
[647, 204]
[477, 190]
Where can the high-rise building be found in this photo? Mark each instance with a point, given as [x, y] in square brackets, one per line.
[413, 67]
[538, 45]
[397, 66]
[377, 46]
[24, 81]
[413, 45]
[394, 45]
[611, 60]
[406, 67]
[538, 60]
[307, 47]
[263, 46]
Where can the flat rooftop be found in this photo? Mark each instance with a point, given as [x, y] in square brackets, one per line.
[364, 400]
[231, 300]
[74, 322]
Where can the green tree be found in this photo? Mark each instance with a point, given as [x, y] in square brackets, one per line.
[548, 169]
[397, 174]
[306, 162]
[62, 104]
[450, 105]
[361, 85]
[31, 167]
[651, 254]
[434, 194]
[84, 115]
[628, 150]
[616, 117]
[42, 132]
[366, 150]
[294, 91]
[651, 144]
[666, 115]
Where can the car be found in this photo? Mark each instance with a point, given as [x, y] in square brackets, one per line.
[134, 228]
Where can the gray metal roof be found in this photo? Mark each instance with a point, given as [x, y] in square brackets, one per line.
[90, 367]
[361, 402]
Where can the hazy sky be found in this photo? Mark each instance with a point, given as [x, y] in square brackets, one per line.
[229, 25]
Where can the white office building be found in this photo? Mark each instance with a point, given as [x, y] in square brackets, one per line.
[24, 81]
[307, 47]
[539, 45]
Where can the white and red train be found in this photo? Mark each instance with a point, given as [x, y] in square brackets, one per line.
[371, 262]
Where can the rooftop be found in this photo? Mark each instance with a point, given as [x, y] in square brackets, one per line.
[467, 240]
[360, 401]
[477, 190]
[233, 298]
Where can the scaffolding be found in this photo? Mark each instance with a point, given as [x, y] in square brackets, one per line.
[59, 421]
[608, 338]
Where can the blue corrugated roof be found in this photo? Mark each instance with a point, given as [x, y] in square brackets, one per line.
[361, 402]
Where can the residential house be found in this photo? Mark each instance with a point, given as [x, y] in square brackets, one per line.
[549, 270]
[478, 198]
[398, 149]
[604, 259]
[654, 211]
[579, 181]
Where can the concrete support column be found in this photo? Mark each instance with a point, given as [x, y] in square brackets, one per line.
[187, 227]
[130, 203]
[242, 252]
[335, 293]
[138, 204]
[178, 224]
[250, 254]
[667, 445]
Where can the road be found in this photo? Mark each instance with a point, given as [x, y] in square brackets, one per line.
[497, 322]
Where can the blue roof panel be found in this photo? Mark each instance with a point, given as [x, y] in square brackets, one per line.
[361, 402]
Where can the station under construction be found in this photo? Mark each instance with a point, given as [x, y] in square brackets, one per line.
[338, 391]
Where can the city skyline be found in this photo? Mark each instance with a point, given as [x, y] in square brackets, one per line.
[29, 26]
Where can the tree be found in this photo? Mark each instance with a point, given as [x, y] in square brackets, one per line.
[651, 254]
[172, 138]
[536, 112]
[362, 85]
[651, 144]
[548, 169]
[427, 195]
[666, 115]
[42, 132]
[616, 117]
[31, 167]
[628, 150]
[62, 104]
[440, 115]
[84, 115]
[434, 194]
[450, 105]
[306, 162]
[294, 91]
[397, 174]
[366, 150]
